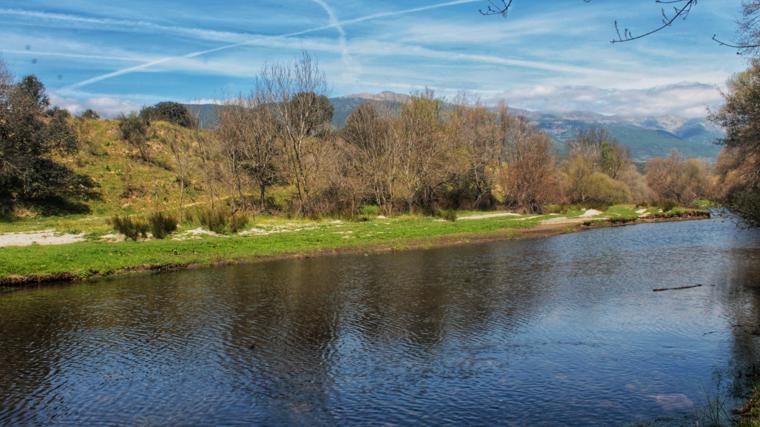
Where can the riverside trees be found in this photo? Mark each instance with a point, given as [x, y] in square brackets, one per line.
[739, 164]
[426, 156]
[275, 150]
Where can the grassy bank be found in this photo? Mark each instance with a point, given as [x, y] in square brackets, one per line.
[273, 237]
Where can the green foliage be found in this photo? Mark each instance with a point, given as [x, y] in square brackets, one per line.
[369, 210]
[746, 202]
[237, 222]
[134, 130]
[667, 205]
[90, 115]
[30, 135]
[600, 190]
[213, 219]
[221, 220]
[133, 228]
[171, 112]
[162, 225]
[447, 214]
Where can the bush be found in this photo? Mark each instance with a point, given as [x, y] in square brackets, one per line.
[171, 112]
[162, 225]
[130, 227]
[447, 214]
[667, 205]
[367, 212]
[90, 115]
[601, 190]
[213, 219]
[220, 220]
[238, 221]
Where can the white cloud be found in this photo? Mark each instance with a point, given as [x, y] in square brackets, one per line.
[104, 104]
[683, 99]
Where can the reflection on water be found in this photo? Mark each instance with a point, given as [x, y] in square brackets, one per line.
[564, 330]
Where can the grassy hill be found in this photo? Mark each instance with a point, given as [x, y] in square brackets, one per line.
[126, 183]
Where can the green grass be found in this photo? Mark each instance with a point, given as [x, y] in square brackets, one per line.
[268, 236]
[89, 258]
[91, 224]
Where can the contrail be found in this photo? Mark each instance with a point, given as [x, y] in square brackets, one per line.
[71, 55]
[374, 16]
[348, 61]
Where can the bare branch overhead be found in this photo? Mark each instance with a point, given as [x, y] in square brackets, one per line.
[670, 12]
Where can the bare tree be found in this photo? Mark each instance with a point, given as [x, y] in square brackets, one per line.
[208, 163]
[296, 96]
[374, 154]
[531, 179]
[250, 134]
[476, 139]
[424, 148]
[181, 152]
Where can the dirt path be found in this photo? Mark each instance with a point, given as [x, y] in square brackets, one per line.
[487, 216]
[47, 237]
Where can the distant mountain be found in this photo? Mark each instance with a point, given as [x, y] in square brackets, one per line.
[645, 137]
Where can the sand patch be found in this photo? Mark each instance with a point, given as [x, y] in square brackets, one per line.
[591, 213]
[563, 220]
[487, 216]
[47, 237]
[196, 233]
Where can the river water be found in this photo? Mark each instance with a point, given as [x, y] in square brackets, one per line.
[555, 331]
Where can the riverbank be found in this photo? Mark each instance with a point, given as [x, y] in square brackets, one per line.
[97, 258]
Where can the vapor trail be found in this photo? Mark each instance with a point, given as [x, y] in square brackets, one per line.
[336, 24]
[348, 61]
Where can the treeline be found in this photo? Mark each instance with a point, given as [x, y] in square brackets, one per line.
[274, 150]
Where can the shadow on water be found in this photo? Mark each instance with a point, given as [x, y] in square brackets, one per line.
[564, 330]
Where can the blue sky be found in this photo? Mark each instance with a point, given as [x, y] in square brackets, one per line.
[547, 55]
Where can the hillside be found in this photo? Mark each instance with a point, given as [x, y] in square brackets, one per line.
[126, 184]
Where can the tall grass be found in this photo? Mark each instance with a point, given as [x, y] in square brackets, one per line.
[162, 225]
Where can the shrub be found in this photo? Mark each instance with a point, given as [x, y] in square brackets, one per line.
[130, 227]
[601, 190]
[447, 214]
[90, 115]
[370, 210]
[667, 205]
[367, 212]
[237, 222]
[171, 112]
[162, 225]
[213, 219]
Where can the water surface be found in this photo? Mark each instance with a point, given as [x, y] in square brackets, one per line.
[557, 331]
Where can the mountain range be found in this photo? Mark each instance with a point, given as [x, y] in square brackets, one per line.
[645, 137]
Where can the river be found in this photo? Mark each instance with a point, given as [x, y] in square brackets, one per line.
[555, 331]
